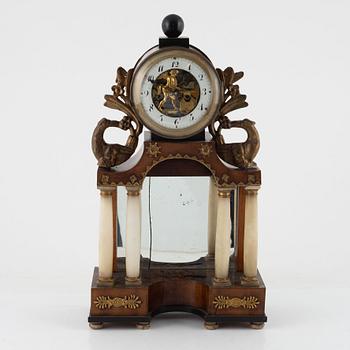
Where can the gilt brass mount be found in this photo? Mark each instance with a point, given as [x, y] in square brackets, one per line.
[109, 155]
[175, 94]
[239, 154]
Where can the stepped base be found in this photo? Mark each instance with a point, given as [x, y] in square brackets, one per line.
[184, 287]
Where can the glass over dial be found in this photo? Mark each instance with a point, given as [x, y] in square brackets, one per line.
[176, 92]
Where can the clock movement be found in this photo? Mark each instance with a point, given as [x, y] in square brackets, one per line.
[176, 93]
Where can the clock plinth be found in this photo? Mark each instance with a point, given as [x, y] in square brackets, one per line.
[177, 287]
[177, 94]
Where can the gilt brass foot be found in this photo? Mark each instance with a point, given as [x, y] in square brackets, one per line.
[96, 325]
[143, 325]
[211, 325]
[257, 325]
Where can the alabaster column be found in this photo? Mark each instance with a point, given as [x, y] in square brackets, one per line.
[235, 217]
[212, 213]
[133, 235]
[222, 240]
[106, 237]
[250, 246]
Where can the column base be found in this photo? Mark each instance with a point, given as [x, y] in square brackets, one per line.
[133, 281]
[249, 281]
[105, 282]
[221, 282]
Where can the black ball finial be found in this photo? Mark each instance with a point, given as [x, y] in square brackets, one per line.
[173, 26]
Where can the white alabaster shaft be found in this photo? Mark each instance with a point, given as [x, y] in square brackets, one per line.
[223, 240]
[106, 235]
[212, 213]
[133, 235]
[235, 217]
[250, 234]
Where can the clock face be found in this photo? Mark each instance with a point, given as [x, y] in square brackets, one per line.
[174, 93]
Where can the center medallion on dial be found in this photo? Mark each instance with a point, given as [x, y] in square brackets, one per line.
[175, 92]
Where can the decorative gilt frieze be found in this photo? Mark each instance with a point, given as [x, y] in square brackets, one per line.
[104, 179]
[128, 302]
[153, 150]
[225, 178]
[225, 302]
[133, 179]
[251, 179]
[154, 156]
[205, 149]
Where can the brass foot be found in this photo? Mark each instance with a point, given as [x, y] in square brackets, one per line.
[143, 325]
[257, 325]
[211, 325]
[96, 325]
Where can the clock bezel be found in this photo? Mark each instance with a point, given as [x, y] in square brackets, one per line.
[157, 55]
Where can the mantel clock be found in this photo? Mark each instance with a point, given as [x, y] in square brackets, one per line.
[183, 100]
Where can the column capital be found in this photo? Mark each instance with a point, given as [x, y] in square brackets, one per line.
[224, 192]
[133, 190]
[252, 189]
[106, 190]
[106, 193]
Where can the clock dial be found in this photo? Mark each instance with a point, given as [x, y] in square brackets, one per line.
[175, 92]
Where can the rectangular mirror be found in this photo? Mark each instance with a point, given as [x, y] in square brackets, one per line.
[175, 213]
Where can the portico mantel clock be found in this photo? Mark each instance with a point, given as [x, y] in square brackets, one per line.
[176, 93]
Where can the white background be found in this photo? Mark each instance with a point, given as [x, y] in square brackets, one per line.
[58, 59]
